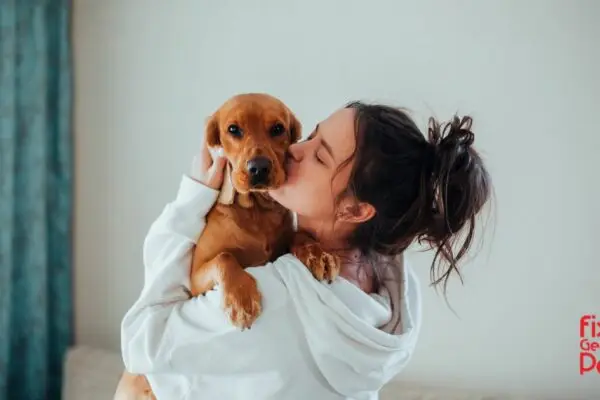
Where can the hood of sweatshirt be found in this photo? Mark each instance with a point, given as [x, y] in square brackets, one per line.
[370, 338]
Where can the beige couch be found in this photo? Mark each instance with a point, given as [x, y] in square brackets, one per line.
[92, 374]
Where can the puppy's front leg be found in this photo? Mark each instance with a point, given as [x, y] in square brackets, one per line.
[241, 297]
[322, 264]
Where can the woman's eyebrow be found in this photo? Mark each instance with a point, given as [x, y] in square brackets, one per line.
[325, 144]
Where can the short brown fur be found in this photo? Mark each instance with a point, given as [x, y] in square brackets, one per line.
[254, 229]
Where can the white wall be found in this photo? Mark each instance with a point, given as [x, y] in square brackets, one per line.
[149, 72]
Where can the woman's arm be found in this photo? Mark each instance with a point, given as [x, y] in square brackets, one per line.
[167, 253]
[166, 330]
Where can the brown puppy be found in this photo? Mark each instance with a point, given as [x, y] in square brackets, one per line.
[246, 227]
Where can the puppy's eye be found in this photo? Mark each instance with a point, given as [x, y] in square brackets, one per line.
[277, 129]
[235, 130]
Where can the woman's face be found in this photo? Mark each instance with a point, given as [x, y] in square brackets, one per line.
[312, 164]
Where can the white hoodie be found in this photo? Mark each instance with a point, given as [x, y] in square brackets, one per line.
[313, 340]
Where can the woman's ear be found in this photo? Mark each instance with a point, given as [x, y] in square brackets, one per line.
[213, 137]
[355, 212]
[295, 128]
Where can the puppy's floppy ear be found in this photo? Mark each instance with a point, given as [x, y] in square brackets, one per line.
[213, 137]
[295, 128]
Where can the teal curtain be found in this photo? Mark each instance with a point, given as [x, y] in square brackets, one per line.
[36, 170]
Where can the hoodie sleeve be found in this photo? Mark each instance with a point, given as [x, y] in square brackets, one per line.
[168, 331]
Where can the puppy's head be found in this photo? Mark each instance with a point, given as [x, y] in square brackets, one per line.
[255, 131]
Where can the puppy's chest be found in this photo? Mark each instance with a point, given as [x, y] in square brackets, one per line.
[256, 236]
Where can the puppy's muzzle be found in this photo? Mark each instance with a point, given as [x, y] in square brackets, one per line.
[259, 171]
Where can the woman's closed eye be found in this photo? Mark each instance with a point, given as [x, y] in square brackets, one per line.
[319, 159]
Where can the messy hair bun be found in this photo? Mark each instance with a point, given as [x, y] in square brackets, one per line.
[457, 187]
[428, 190]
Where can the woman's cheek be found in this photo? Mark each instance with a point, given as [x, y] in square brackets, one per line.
[319, 191]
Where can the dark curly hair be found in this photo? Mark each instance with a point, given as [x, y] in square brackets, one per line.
[427, 190]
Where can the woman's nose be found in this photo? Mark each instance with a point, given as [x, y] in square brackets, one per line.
[295, 151]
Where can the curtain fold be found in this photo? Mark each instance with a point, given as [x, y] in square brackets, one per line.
[36, 195]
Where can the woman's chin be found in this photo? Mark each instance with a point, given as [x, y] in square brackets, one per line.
[279, 195]
[276, 193]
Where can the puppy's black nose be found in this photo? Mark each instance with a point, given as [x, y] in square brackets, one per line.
[258, 169]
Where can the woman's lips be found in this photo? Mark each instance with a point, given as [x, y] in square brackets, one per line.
[290, 170]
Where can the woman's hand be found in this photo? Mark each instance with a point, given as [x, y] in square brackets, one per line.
[209, 171]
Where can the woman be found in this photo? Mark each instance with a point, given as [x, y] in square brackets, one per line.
[366, 184]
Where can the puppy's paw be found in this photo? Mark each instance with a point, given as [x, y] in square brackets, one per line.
[242, 300]
[200, 285]
[322, 264]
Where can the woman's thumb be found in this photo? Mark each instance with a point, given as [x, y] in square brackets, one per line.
[216, 172]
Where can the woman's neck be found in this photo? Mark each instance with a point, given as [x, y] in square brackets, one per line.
[332, 238]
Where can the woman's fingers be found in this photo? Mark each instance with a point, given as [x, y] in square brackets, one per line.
[216, 173]
[205, 157]
[209, 166]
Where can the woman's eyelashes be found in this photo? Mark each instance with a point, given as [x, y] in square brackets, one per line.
[318, 159]
[316, 154]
